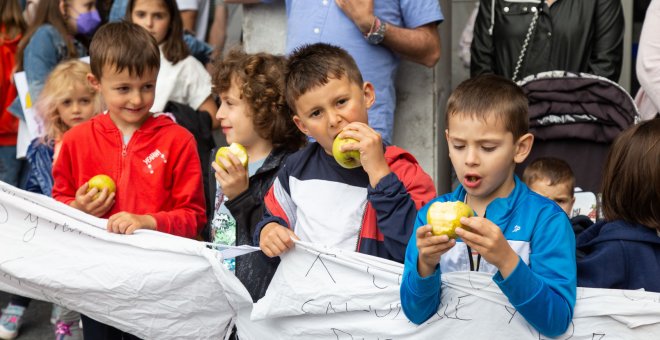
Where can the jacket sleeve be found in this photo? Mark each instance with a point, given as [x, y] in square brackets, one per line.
[648, 56]
[187, 214]
[396, 199]
[40, 55]
[64, 184]
[544, 291]
[607, 52]
[603, 266]
[248, 211]
[279, 207]
[420, 297]
[481, 51]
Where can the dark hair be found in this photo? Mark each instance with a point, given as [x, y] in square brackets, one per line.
[310, 66]
[48, 12]
[174, 47]
[631, 179]
[124, 45]
[549, 168]
[260, 78]
[490, 95]
[11, 19]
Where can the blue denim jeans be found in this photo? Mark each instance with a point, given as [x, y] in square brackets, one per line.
[10, 167]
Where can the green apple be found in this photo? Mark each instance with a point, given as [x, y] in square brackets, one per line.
[445, 217]
[101, 182]
[237, 149]
[347, 159]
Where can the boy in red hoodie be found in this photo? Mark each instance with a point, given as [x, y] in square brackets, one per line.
[153, 161]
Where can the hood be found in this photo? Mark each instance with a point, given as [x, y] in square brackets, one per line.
[617, 231]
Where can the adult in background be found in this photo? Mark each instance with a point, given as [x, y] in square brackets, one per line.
[518, 38]
[376, 34]
[648, 64]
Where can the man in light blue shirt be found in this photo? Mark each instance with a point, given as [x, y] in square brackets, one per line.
[376, 33]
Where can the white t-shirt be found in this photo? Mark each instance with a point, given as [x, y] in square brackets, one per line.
[203, 8]
[187, 82]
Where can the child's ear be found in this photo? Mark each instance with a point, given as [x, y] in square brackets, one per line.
[300, 124]
[369, 93]
[62, 7]
[93, 82]
[523, 147]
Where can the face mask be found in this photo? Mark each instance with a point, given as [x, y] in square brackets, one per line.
[88, 22]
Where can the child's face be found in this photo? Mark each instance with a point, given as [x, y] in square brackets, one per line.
[72, 9]
[322, 112]
[484, 155]
[153, 16]
[77, 107]
[235, 117]
[127, 97]
[561, 193]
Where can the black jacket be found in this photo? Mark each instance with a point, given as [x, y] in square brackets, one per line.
[571, 35]
[254, 270]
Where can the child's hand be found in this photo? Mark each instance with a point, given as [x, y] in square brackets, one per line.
[276, 239]
[233, 178]
[126, 223]
[430, 249]
[372, 151]
[85, 200]
[487, 239]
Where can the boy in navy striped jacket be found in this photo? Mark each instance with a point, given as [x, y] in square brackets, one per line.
[370, 209]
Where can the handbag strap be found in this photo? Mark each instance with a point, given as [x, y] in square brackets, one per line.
[525, 45]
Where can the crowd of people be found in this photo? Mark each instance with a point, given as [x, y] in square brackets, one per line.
[110, 116]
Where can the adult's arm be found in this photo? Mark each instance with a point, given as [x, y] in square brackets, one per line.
[648, 55]
[607, 52]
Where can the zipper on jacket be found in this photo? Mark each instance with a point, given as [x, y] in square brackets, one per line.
[123, 149]
[359, 235]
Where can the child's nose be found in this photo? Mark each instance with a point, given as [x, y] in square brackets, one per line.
[335, 118]
[472, 157]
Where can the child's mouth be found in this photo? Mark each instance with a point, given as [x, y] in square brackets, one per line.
[472, 181]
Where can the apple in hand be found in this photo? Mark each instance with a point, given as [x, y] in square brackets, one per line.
[101, 182]
[237, 149]
[347, 159]
[444, 217]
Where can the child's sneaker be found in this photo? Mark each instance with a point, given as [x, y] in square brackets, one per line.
[68, 330]
[10, 321]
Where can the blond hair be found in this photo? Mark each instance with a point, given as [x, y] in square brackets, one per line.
[61, 82]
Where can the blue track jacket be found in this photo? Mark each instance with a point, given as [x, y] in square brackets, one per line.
[541, 288]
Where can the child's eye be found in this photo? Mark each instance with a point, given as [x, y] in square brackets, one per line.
[342, 101]
[122, 89]
[315, 113]
[148, 87]
[459, 147]
[488, 148]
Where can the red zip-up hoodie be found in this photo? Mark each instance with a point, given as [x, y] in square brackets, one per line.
[158, 173]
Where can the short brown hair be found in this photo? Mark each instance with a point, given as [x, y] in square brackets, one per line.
[553, 169]
[631, 179]
[312, 65]
[490, 95]
[260, 78]
[124, 45]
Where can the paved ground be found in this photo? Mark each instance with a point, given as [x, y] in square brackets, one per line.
[37, 320]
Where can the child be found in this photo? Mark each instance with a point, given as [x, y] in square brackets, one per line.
[181, 77]
[522, 238]
[67, 100]
[253, 113]
[12, 27]
[153, 160]
[369, 209]
[553, 178]
[622, 252]
[49, 40]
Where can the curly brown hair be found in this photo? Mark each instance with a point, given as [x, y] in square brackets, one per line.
[260, 78]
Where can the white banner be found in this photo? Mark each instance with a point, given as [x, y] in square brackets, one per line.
[159, 286]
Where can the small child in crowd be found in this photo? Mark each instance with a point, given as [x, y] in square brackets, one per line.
[623, 251]
[369, 209]
[67, 100]
[254, 114]
[553, 178]
[153, 160]
[521, 237]
[181, 78]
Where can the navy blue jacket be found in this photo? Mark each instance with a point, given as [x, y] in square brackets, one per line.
[40, 168]
[619, 255]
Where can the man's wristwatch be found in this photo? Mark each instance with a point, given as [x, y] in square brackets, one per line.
[377, 32]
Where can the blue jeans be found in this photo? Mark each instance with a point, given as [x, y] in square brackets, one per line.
[10, 167]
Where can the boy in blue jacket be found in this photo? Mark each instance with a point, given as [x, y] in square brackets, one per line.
[521, 237]
[370, 208]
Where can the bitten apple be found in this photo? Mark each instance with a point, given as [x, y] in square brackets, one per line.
[347, 159]
[445, 217]
[101, 182]
[237, 149]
